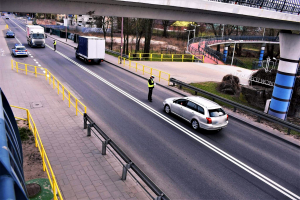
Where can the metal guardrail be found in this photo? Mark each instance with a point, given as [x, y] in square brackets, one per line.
[259, 114]
[45, 161]
[289, 6]
[78, 105]
[129, 164]
[116, 53]
[165, 57]
[216, 55]
[151, 71]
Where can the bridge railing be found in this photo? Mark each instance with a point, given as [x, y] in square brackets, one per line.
[289, 6]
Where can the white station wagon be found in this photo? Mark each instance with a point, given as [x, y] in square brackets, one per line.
[200, 112]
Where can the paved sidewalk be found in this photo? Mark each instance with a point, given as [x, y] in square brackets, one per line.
[81, 170]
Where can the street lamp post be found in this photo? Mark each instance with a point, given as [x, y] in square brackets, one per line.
[121, 41]
[187, 45]
[233, 52]
[195, 29]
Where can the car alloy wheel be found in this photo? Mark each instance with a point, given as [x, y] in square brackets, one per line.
[167, 109]
[195, 124]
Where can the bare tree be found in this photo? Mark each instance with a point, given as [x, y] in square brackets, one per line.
[166, 24]
[148, 34]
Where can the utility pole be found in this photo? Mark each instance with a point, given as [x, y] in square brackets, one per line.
[121, 41]
[187, 45]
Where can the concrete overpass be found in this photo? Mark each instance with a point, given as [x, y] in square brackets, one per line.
[192, 10]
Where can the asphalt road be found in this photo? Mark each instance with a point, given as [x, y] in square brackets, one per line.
[181, 164]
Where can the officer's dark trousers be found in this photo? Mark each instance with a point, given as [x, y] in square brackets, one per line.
[150, 93]
[54, 47]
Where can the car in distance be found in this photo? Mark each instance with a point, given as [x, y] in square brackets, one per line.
[19, 50]
[199, 111]
[10, 34]
[6, 17]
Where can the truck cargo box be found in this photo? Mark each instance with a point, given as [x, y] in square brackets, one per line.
[91, 47]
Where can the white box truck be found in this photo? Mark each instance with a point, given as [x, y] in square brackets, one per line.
[90, 49]
[35, 36]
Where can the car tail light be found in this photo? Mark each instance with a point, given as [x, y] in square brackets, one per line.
[227, 118]
[101, 60]
[26, 50]
[208, 120]
[89, 60]
[16, 51]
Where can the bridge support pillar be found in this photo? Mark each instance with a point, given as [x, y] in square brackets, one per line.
[261, 55]
[225, 53]
[286, 74]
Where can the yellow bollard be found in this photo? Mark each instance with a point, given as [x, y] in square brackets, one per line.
[172, 57]
[182, 57]
[140, 56]
[193, 57]
[161, 57]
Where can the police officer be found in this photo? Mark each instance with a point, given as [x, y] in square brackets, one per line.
[150, 86]
[54, 43]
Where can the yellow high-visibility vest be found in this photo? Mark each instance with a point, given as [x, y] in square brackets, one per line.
[152, 83]
[54, 42]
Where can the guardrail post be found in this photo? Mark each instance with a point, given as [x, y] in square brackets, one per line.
[129, 56]
[180, 86]
[53, 82]
[104, 145]
[125, 169]
[161, 57]
[159, 197]
[69, 100]
[89, 126]
[76, 107]
[182, 57]
[159, 76]
[53, 187]
[43, 158]
[63, 92]
[58, 87]
[289, 131]
[258, 119]
[172, 57]
[140, 56]
[84, 120]
[193, 57]
[195, 92]
[234, 109]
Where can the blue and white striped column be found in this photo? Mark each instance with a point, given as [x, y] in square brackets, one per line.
[225, 53]
[286, 74]
[261, 55]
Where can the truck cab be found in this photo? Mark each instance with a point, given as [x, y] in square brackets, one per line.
[35, 36]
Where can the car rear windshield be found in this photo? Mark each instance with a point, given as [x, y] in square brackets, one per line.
[216, 112]
[21, 48]
[9, 32]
